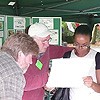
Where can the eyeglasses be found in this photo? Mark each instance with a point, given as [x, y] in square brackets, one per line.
[43, 40]
[46, 40]
[83, 46]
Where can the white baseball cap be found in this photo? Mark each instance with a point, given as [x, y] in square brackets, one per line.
[38, 29]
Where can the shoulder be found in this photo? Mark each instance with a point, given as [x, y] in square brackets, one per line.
[98, 55]
[95, 52]
[8, 65]
[67, 54]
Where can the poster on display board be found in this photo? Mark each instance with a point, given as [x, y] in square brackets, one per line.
[54, 24]
[95, 42]
[19, 23]
[54, 37]
[48, 22]
[1, 30]
[0, 42]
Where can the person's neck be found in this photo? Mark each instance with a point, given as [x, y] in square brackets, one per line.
[40, 55]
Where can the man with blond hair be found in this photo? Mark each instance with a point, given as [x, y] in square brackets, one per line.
[15, 58]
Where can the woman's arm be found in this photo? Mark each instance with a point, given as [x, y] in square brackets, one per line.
[88, 81]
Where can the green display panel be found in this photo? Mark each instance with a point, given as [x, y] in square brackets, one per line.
[57, 25]
[2, 27]
[10, 22]
[27, 23]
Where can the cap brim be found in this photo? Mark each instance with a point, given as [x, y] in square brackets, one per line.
[45, 34]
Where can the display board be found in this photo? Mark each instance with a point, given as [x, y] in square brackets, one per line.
[54, 24]
[2, 35]
[16, 24]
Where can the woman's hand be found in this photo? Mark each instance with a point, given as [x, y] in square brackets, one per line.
[88, 81]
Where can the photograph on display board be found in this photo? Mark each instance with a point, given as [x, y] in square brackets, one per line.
[1, 33]
[10, 32]
[1, 25]
[0, 42]
[95, 42]
[54, 37]
[96, 34]
[19, 31]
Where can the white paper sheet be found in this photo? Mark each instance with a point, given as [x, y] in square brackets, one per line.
[69, 72]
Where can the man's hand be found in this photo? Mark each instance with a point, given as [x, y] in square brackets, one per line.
[49, 88]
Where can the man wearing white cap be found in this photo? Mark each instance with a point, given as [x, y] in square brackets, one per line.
[37, 74]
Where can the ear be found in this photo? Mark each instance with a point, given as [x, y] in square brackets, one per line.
[20, 54]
